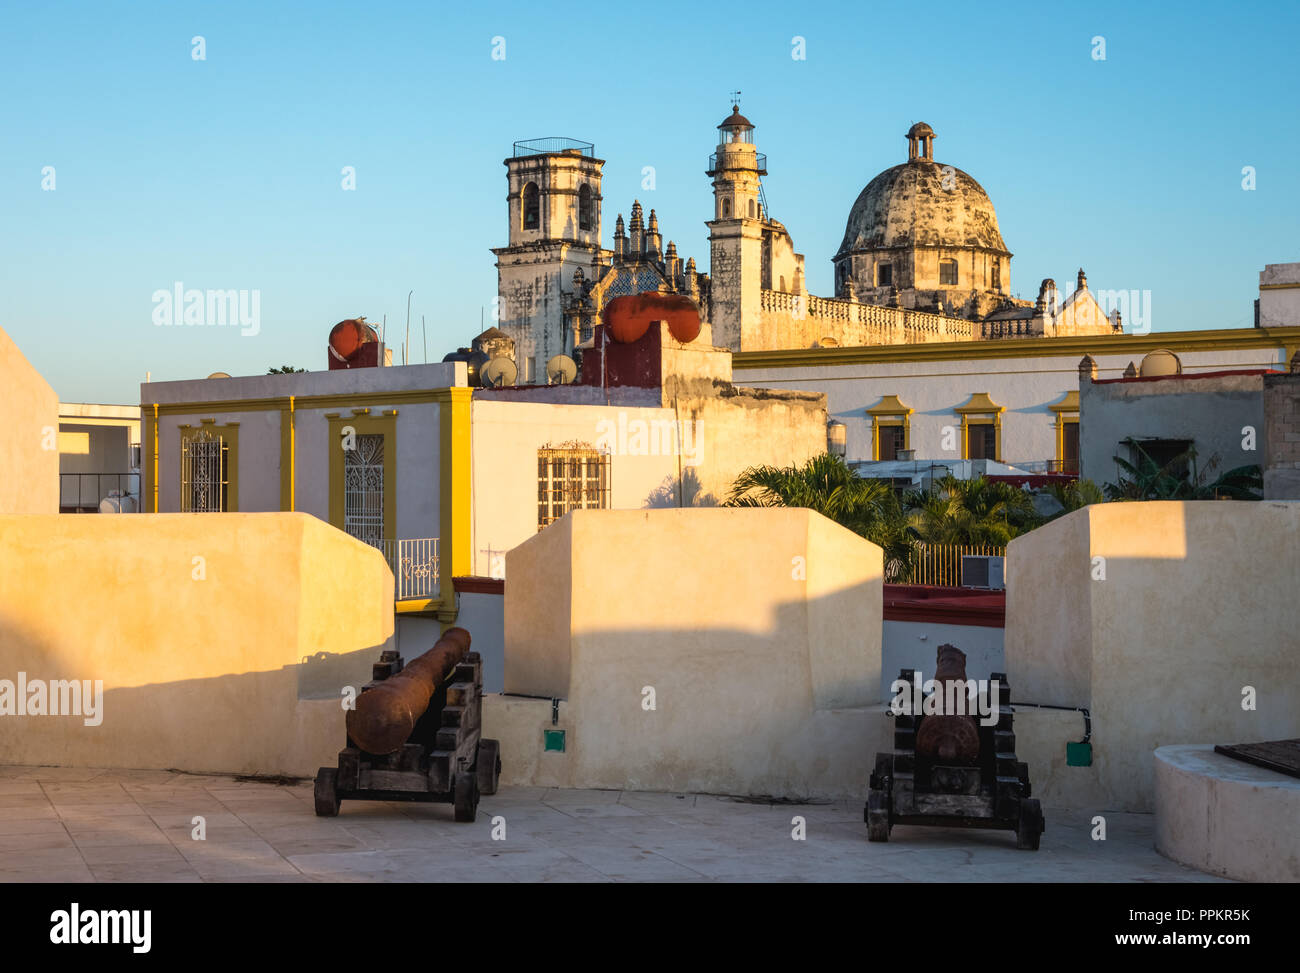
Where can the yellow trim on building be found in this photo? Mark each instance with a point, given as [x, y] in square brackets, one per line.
[419, 606]
[1068, 404]
[1063, 420]
[385, 426]
[1225, 339]
[341, 400]
[1278, 287]
[889, 405]
[229, 434]
[980, 410]
[149, 466]
[979, 402]
[889, 411]
[455, 543]
[288, 457]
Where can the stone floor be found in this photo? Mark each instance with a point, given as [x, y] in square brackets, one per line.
[85, 825]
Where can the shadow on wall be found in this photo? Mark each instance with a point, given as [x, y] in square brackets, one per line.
[1174, 622]
[727, 654]
[286, 721]
[220, 642]
[684, 492]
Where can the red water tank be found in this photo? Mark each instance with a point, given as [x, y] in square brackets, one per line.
[348, 338]
[629, 318]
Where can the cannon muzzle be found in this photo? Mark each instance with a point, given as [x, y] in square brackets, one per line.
[386, 714]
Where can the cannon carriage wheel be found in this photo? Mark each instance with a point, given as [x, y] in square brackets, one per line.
[487, 765]
[1030, 826]
[877, 815]
[326, 792]
[466, 793]
[876, 812]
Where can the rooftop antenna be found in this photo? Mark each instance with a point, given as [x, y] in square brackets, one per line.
[425, 335]
[406, 347]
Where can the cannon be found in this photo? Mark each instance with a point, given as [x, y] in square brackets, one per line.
[948, 768]
[415, 734]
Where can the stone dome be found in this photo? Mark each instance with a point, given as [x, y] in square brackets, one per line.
[908, 206]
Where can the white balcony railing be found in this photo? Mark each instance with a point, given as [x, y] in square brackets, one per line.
[414, 563]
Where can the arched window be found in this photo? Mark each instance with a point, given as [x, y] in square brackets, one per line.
[947, 273]
[751, 209]
[586, 214]
[532, 207]
[726, 209]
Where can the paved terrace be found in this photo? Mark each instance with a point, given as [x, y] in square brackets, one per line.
[86, 825]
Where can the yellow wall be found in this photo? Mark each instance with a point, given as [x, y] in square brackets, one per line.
[1197, 602]
[201, 675]
[29, 436]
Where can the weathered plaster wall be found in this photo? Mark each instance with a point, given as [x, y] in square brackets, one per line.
[705, 442]
[1197, 603]
[759, 631]
[232, 663]
[29, 440]
[1213, 412]
[1281, 461]
[1025, 386]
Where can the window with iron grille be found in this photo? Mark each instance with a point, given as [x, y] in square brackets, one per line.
[948, 273]
[205, 466]
[363, 489]
[570, 478]
[884, 275]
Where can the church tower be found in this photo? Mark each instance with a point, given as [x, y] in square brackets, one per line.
[553, 207]
[736, 230]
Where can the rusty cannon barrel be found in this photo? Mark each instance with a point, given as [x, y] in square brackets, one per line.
[386, 715]
[952, 737]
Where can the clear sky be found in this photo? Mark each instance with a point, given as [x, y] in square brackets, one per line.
[226, 173]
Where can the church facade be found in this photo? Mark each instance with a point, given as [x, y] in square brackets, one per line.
[922, 260]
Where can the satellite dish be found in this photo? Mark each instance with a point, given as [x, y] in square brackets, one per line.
[561, 370]
[498, 372]
[218, 375]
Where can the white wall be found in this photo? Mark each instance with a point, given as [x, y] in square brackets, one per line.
[1024, 386]
[914, 645]
[1210, 412]
[723, 435]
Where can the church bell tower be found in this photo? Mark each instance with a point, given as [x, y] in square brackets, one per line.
[736, 230]
[553, 207]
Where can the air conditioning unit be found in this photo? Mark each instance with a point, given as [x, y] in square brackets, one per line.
[983, 571]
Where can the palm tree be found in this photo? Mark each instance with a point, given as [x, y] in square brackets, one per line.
[1075, 495]
[1178, 479]
[869, 508]
[970, 512]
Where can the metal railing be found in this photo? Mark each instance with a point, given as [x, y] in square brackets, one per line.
[414, 563]
[81, 493]
[554, 144]
[1046, 465]
[940, 564]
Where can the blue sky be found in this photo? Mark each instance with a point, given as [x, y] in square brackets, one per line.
[225, 173]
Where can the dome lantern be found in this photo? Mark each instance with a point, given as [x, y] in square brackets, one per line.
[920, 143]
[736, 128]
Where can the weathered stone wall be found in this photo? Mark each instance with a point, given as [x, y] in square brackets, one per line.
[804, 321]
[1282, 437]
